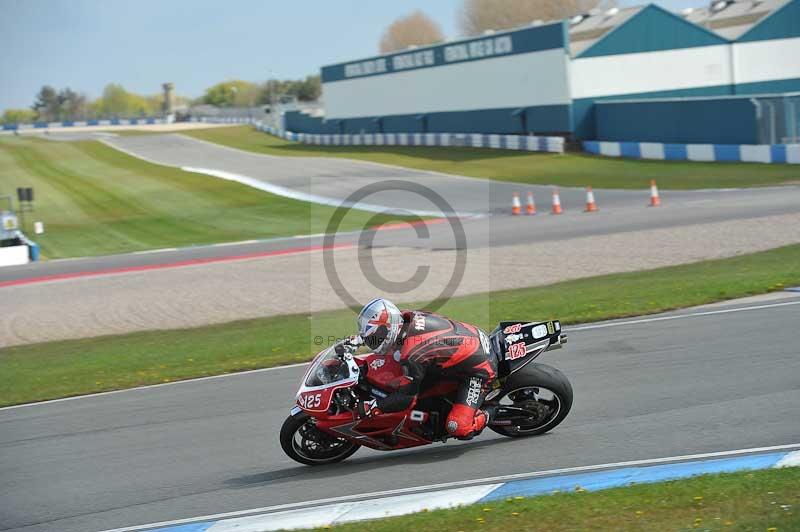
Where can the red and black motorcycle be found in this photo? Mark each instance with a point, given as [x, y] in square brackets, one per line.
[324, 427]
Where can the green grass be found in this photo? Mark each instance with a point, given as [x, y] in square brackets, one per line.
[95, 200]
[765, 500]
[58, 369]
[571, 169]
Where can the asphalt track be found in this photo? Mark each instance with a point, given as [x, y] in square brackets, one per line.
[644, 389]
[620, 210]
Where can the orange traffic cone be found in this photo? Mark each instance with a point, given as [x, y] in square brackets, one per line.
[655, 200]
[591, 205]
[556, 203]
[516, 208]
[530, 207]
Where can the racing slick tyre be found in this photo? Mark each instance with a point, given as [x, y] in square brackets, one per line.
[306, 444]
[538, 396]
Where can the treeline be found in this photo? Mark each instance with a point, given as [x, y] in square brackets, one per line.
[238, 93]
[53, 105]
[58, 105]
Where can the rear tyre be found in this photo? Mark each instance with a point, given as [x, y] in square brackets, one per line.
[304, 443]
[543, 392]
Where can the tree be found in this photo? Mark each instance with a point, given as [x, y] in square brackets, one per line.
[416, 29]
[72, 105]
[309, 89]
[117, 102]
[235, 92]
[47, 105]
[18, 116]
[478, 16]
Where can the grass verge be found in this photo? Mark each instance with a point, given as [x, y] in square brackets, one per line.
[73, 367]
[766, 500]
[571, 169]
[95, 200]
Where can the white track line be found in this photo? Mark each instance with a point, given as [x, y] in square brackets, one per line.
[151, 386]
[240, 373]
[462, 483]
[290, 193]
[679, 316]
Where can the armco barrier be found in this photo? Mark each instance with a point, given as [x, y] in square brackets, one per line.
[473, 140]
[71, 123]
[224, 119]
[776, 153]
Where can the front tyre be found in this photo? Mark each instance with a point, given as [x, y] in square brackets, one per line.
[533, 401]
[304, 443]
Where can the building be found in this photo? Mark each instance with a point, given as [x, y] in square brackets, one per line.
[639, 73]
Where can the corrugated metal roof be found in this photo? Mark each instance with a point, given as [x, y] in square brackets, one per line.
[585, 30]
[732, 18]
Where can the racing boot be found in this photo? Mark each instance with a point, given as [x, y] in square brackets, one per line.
[464, 423]
[367, 409]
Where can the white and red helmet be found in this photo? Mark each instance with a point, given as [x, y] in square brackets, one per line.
[379, 324]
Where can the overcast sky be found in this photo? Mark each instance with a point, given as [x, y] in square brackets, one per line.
[85, 44]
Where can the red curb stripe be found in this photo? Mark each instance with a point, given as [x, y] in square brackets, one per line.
[406, 225]
[190, 262]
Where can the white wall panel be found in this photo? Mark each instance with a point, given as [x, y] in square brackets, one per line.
[13, 255]
[767, 60]
[700, 152]
[537, 78]
[755, 154]
[621, 74]
[651, 150]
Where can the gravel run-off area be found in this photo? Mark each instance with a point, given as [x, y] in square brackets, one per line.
[220, 292]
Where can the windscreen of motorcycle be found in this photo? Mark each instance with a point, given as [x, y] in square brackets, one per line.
[327, 373]
[328, 369]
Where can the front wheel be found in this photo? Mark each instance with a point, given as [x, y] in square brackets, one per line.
[303, 442]
[533, 401]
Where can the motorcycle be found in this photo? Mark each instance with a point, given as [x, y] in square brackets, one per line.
[325, 426]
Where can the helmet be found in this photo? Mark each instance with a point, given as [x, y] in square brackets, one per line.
[379, 324]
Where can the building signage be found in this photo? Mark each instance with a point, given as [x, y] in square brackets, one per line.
[516, 42]
[478, 49]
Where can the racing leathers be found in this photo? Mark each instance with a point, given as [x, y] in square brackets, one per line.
[430, 344]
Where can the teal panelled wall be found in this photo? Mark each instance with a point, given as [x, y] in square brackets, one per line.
[769, 87]
[583, 109]
[705, 121]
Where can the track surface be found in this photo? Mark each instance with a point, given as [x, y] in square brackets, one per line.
[620, 210]
[643, 390]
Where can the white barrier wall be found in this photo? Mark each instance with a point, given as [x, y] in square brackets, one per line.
[508, 81]
[14, 255]
[772, 60]
[624, 74]
[524, 69]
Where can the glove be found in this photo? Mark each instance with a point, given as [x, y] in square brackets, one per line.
[349, 344]
[354, 340]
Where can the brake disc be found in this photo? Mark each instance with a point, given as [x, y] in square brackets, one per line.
[538, 411]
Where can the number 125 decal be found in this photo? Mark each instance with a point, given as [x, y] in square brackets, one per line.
[310, 400]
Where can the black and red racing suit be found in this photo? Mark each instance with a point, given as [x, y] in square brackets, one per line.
[453, 350]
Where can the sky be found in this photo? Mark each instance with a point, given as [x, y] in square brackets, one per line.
[86, 44]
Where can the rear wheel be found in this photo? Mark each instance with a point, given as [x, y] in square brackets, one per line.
[533, 401]
[303, 442]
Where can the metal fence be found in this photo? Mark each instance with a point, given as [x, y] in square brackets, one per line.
[778, 119]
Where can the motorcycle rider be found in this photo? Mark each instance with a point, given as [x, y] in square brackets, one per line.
[425, 343]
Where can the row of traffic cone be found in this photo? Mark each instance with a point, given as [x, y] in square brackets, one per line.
[591, 203]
